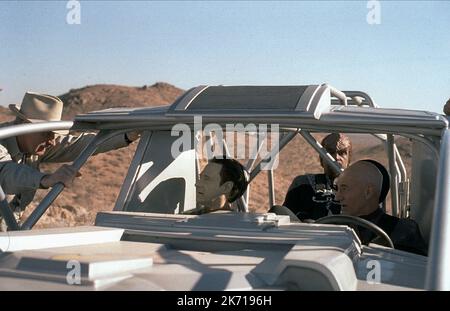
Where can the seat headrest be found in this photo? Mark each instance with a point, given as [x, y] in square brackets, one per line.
[386, 184]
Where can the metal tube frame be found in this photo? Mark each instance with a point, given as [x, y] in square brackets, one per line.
[6, 212]
[251, 162]
[338, 94]
[197, 160]
[270, 179]
[438, 269]
[334, 126]
[28, 128]
[287, 137]
[401, 165]
[364, 95]
[133, 170]
[403, 183]
[392, 169]
[322, 151]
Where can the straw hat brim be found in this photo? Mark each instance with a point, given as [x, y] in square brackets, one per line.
[24, 118]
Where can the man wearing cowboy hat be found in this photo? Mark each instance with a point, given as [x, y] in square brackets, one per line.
[21, 156]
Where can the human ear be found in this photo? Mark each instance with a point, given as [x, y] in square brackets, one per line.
[227, 187]
[368, 192]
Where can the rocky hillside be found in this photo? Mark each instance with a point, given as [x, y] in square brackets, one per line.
[98, 97]
[5, 114]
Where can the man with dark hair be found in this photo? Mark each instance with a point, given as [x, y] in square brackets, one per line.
[221, 183]
[311, 196]
[358, 189]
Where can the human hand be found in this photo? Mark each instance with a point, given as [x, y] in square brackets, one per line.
[65, 175]
[132, 136]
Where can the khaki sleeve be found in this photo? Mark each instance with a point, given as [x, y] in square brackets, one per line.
[16, 178]
[68, 148]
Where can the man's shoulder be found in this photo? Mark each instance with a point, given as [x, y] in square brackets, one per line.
[407, 236]
[5, 124]
[404, 228]
[408, 225]
[403, 223]
[4, 153]
[8, 146]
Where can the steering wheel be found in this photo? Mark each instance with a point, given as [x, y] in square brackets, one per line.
[353, 220]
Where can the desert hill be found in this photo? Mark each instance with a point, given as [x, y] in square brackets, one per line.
[103, 96]
[103, 174]
[5, 114]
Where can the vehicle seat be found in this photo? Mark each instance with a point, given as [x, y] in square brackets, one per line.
[283, 210]
[386, 183]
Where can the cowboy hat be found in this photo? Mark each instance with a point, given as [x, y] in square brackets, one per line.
[39, 108]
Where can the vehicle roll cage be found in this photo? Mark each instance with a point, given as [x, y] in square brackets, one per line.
[399, 180]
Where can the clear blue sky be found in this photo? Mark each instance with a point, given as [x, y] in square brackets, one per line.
[402, 62]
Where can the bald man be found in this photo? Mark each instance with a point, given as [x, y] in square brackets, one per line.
[311, 196]
[358, 191]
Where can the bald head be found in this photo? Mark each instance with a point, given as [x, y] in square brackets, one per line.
[367, 174]
[359, 188]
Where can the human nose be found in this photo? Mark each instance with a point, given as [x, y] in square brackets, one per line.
[51, 138]
[50, 142]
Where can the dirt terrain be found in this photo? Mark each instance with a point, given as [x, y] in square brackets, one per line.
[103, 174]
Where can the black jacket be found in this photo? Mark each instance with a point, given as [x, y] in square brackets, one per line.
[311, 197]
[404, 233]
